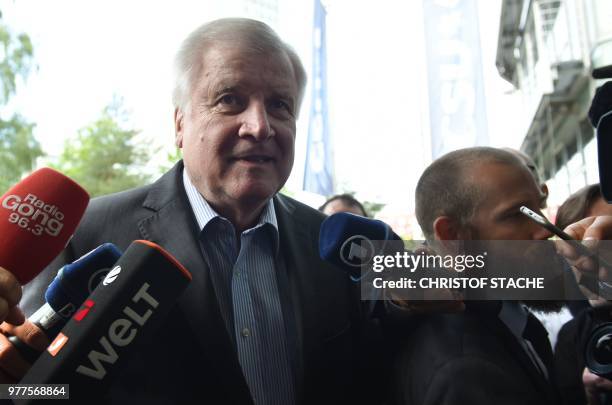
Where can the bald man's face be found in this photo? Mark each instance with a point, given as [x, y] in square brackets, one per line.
[504, 189]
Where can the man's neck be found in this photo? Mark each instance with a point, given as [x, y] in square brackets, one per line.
[243, 217]
[243, 214]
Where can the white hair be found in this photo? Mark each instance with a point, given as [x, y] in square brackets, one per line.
[255, 35]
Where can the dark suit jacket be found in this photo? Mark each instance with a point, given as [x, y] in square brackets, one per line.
[467, 359]
[192, 358]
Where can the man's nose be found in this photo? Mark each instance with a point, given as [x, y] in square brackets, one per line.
[255, 122]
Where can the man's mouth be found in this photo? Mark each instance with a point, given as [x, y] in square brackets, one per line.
[256, 158]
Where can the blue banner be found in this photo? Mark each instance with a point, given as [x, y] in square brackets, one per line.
[457, 111]
[318, 173]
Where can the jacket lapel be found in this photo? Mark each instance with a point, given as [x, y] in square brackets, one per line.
[296, 250]
[517, 352]
[173, 227]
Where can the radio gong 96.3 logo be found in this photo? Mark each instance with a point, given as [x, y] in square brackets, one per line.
[33, 214]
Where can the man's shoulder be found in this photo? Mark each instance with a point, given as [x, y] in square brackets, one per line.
[293, 206]
[124, 204]
[119, 201]
[458, 349]
[448, 337]
[293, 215]
[113, 210]
[115, 217]
[437, 329]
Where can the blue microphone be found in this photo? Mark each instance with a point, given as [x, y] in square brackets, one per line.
[350, 242]
[67, 292]
[75, 281]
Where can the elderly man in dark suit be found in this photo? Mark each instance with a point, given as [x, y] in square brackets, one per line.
[496, 352]
[264, 320]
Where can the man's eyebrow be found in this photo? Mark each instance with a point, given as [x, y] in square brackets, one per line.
[283, 93]
[515, 207]
[511, 208]
[283, 89]
[223, 89]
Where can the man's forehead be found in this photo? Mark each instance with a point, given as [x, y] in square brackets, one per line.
[232, 67]
[495, 172]
[233, 81]
[505, 184]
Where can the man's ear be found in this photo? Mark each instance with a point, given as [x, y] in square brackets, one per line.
[178, 127]
[448, 234]
[544, 189]
[445, 228]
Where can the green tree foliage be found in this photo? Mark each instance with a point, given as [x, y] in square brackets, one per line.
[18, 150]
[372, 208]
[18, 147]
[16, 61]
[104, 157]
[169, 160]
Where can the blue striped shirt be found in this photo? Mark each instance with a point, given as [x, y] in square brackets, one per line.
[245, 279]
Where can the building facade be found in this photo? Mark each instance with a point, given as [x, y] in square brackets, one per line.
[547, 50]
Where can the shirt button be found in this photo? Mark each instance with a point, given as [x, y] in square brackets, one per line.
[245, 332]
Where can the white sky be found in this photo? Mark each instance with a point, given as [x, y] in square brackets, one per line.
[86, 51]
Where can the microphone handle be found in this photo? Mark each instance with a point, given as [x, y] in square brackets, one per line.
[49, 321]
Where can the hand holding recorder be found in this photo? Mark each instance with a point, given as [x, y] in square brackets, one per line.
[583, 257]
[10, 295]
[591, 231]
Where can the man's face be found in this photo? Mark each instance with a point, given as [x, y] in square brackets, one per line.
[504, 189]
[238, 131]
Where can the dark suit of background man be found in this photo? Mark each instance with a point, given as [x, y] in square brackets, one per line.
[495, 352]
[264, 319]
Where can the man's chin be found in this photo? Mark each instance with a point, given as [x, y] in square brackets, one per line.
[256, 193]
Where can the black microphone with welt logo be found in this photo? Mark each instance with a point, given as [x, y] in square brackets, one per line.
[128, 305]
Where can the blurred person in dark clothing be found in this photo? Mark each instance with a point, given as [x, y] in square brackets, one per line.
[586, 202]
[343, 203]
[577, 384]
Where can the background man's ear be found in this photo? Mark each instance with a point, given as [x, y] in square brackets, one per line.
[449, 235]
[178, 127]
[544, 189]
[445, 228]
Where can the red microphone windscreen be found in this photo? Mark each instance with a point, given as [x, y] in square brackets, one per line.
[38, 216]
